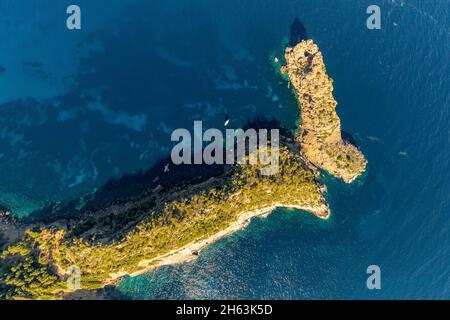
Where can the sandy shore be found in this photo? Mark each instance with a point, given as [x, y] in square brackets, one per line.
[190, 251]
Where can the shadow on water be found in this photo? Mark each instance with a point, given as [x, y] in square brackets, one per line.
[122, 203]
[349, 138]
[297, 32]
[117, 115]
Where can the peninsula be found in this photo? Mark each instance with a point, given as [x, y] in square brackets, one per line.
[165, 225]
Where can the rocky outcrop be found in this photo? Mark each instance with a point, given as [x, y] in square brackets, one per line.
[320, 131]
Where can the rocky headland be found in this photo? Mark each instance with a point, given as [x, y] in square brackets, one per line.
[168, 223]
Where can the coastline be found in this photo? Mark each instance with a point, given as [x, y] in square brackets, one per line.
[190, 251]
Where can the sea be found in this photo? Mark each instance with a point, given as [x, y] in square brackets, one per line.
[81, 107]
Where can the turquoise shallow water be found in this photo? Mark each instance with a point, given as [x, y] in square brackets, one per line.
[79, 108]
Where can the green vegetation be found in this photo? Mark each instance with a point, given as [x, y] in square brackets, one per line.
[35, 267]
[25, 273]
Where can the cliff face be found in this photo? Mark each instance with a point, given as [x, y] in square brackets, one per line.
[320, 131]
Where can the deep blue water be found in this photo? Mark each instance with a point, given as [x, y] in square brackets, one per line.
[80, 107]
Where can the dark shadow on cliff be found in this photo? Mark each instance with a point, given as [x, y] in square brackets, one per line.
[349, 138]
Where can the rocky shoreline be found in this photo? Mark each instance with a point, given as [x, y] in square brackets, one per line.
[191, 251]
